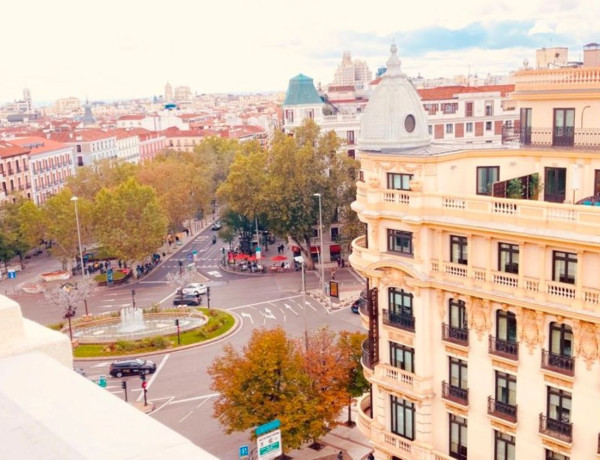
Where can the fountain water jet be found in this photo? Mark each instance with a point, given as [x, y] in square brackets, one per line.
[132, 319]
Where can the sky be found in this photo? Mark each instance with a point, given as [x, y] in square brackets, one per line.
[127, 49]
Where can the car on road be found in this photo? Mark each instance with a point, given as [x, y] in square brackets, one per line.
[193, 288]
[187, 299]
[132, 367]
[216, 226]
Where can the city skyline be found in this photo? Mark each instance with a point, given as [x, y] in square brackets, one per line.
[132, 49]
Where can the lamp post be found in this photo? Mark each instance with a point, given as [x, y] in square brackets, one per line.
[74, 200]
[321, 238]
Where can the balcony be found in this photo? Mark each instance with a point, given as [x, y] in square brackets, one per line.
[503, 348]
[558, 363]
[563, 431]
[400, 321]
[502, 410]
[365, 415]
[455, 394]
[455, 334]
[578, 138]
[366, 355]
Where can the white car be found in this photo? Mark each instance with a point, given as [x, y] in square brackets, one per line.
[193, 289]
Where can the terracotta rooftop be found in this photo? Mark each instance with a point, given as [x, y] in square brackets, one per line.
[451, 92]
[37, 144]
[8, 149]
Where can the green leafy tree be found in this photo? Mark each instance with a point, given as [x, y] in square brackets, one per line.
[215, 155]
[12, 239]
[56, 221]
[128, 221]
[263, 382]
[297, 168]
[350, 346]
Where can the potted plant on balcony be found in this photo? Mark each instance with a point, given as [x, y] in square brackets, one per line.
[514, 189]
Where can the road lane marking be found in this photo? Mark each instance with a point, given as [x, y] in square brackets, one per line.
[195, 398]
[262, 303]
[249, 316]
[158, 369]
[268, 314]
[291, 308]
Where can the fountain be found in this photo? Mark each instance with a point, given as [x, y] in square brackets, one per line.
[133, 324]
[132, 319]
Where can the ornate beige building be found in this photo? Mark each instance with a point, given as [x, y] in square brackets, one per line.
[482, 273]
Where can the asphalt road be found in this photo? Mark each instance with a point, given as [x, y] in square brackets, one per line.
[180, 389]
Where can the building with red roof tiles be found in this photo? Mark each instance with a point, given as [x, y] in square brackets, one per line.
[186, 140]
[151, 143]
[128, 145]
[90, 145]
[51, 163]
[245, 133]
[14, 169]
[159, 121]
[469, 115]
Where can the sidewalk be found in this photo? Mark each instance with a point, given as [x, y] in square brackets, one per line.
[349, 440]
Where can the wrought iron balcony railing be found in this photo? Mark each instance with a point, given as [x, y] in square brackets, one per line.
[398, 320]
[455, 394]
[503, 348]
[558, 363]
[556, 428]
[502, 410]
[455, 334]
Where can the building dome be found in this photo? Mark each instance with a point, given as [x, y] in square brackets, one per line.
[394, 118]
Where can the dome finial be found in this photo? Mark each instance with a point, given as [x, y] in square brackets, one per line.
[393, 63]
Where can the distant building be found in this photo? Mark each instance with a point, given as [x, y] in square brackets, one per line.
[182, 94]
[66, 106]
[168, 93]
[14, 170]
[51, 163]
[352, 73]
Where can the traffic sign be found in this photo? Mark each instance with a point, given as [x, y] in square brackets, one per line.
[102, 381]
[12, 273]
[109, 275]
[270, 426]
[269, 445]
[244, 452]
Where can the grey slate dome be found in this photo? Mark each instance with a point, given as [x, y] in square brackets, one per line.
[394, 118]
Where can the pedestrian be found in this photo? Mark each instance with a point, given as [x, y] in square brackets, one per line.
[371, 456]
[339, 262]
[341, 455]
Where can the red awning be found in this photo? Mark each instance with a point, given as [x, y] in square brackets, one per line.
[295, 249]
[335, 248]
[314, 249]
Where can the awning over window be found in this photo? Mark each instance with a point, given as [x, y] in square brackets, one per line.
[335, 248]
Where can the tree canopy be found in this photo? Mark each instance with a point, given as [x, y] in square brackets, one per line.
[128, 220]
[276, 377]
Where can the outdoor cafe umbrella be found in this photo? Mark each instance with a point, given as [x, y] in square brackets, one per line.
[278, 258]
[240, 257]
[252, 258]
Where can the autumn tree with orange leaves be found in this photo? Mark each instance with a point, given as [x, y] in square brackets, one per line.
[276, 377]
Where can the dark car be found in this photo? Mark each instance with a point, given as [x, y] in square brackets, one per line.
[132, 367]
[187, 299]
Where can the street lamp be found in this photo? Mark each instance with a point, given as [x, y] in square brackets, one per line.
[74, 200]
[321, 237]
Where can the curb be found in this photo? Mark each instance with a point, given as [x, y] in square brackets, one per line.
[234, 328]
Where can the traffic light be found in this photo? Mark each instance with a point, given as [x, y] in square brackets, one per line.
[124, 384]
[176, 321]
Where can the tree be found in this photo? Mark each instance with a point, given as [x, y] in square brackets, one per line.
[128, 221]
[108, 173]
[56, 221]
[68, 297]
[350, 345]
[180, 185]
[12, 238]
[265, 381]
[325, 364]
[215, 155]
[181, 278]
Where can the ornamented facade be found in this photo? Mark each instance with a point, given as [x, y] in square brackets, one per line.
[481, 268]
